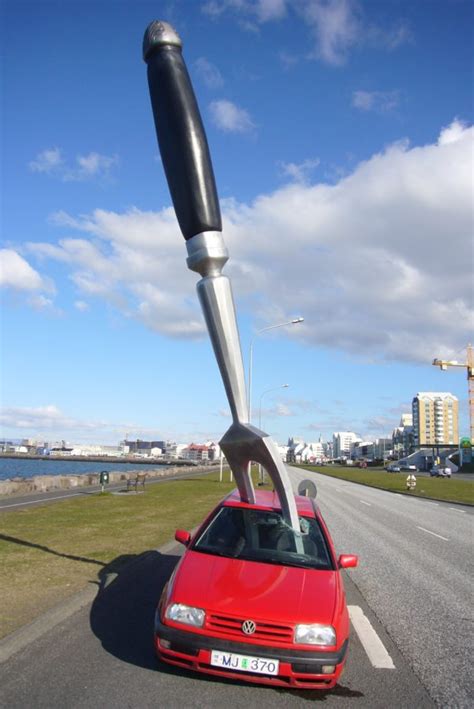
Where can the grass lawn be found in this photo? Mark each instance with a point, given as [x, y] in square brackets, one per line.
[449, 490]
[49, 552]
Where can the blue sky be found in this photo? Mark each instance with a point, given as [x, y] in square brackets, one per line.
[341, 137]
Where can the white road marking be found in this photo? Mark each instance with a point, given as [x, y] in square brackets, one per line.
[43, 499]
[433, 533]
[463, 512]
[373, 646]
[365, 503]
[112, 488]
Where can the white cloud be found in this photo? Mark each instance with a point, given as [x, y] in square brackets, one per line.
[130, 260]
[89, 166]
[288, 60]
[16, 272]
[41, 303]
[31, 418]
[214, 8]
[364, 100]
[452, 133]
[379, 263]
[209, 73]
[85, 167]
[266, 414]
[388, 38]
[336, 26]
[230, 118]
[81, 305]
[299, 172]
[339, 26]
[269, 10]
[159, 310]
[50, 421]
[261, 10]
[378, 101]
[282, 410]
[47, 161]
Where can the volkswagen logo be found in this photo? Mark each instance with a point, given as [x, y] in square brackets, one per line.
[248, 627]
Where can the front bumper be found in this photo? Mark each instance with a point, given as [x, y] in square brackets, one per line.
[298, 668]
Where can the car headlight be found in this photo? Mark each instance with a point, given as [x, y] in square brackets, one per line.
[315, 634]
[186, 614]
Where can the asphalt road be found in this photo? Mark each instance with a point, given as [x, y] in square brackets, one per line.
[11, 502]
[410, 586]
[415, 573]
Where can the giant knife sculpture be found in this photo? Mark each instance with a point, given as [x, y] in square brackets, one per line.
[187, 163]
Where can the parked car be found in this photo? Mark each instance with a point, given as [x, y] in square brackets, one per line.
[392, 468]
[253, 600]
[441, 472]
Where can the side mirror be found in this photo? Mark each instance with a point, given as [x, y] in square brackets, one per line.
[348, 561]
[182, 536]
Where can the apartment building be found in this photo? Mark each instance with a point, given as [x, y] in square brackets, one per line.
[342, 442]
[199, 451]
[435, 418]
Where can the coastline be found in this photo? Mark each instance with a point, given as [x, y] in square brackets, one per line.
[100, 459]
[13, 487]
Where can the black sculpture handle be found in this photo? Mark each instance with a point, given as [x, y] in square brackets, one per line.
[180, 132]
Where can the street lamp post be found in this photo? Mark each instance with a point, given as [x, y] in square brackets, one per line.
[264, 329]
[282, 386]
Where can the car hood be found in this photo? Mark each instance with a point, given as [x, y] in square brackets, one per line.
[253, 589]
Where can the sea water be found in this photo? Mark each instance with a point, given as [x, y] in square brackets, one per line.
[29, 467]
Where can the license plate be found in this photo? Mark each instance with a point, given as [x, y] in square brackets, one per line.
[244, 663]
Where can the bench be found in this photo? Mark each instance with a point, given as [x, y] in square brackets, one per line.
[136, 481]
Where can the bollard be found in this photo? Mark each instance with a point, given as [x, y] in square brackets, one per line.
[411, 482]
[104, 479]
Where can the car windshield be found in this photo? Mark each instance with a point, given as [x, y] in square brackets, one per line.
[264, 536]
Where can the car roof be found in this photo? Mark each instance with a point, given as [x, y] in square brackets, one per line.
[269, 500]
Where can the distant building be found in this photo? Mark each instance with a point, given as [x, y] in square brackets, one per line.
[142, 447]
[8, 444]
[295, 446]
[383, 448]
[403, 437]
[435, 418]
[342, 442]
[97, 450]
[16, 445]
[298, 451]
[283, 452]
[196, 452]
[214, 450]
[362, 450]
[175, 450]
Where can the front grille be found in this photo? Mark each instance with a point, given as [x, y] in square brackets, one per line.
[231, 627]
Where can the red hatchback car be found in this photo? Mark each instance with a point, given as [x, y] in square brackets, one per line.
[253, 600]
